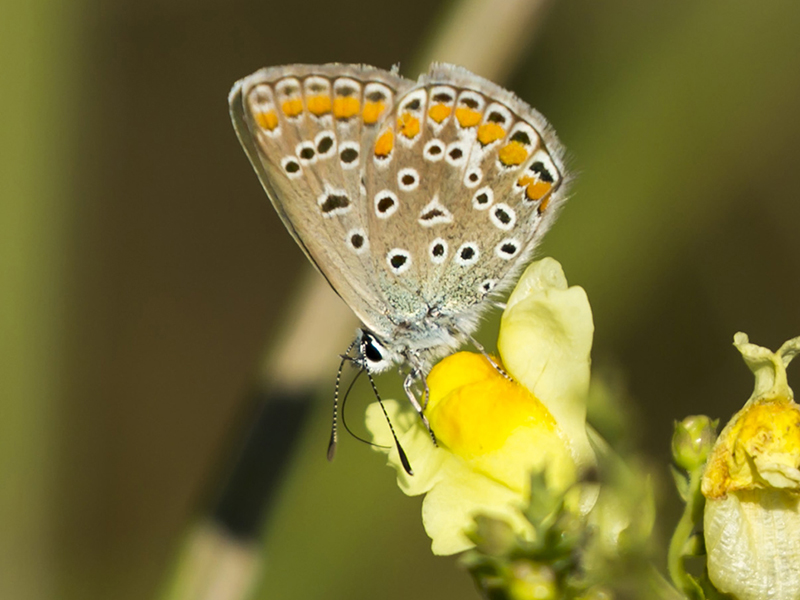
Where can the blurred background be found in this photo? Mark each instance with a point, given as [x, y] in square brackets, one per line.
[143, 274]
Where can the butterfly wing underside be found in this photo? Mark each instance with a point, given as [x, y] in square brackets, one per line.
[470, 182]
[416, 200]
[305, 129]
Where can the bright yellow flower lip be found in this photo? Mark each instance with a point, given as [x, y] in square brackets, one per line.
[474, 409]
[493, 431]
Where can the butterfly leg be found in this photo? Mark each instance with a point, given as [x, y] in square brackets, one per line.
[408, 387]
[486, 355]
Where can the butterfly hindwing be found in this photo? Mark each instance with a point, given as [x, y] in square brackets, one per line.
[470, 182]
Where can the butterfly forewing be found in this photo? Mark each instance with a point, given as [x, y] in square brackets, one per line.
[306, 130]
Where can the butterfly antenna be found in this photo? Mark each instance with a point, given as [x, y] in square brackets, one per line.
[334, 432]
[400, 451]
[344, 421]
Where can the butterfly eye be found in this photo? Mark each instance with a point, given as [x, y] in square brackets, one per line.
[374, 354]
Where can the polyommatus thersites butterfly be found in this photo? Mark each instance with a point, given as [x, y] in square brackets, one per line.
[417, 200]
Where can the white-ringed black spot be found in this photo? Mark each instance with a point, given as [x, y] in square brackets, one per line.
[434, 150]
[496, 117]
[357, 240]
[521, 137]
[291, 167]
[503, 216]
[334, 203]
[408, 179]
[473, 177]
[434, 213]
[348, 154]
[386, 204]
[399, 260]
[456, 154]
[413, 105]
[483, 198]
[507, 249]
[541, 171]
[376, 96]
[306, 153]
[288, 86]
[470, 102]
[438, 251]
[467, 254]
[325, 143]
[345, 90]
[260, 98]
[487, 286]
[443, 97]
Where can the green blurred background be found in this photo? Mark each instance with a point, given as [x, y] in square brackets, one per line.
[142, 272]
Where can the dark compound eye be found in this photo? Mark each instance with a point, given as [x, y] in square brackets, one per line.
[371, 352]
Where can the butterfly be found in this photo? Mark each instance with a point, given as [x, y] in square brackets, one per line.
[419, 201]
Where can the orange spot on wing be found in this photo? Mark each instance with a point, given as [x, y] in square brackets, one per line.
[292, 107]
[512, 154]
[345, 107]
[319, 105]
[467, 117]
[408, 125]
[535, 189]
[267, 119]
[543, 205]
[373, 111]
[490, 132]
[384, 144]
[439, 112]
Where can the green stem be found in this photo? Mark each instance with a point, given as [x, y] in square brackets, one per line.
[691, 514]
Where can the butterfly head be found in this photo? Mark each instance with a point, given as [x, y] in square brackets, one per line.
[375, 355]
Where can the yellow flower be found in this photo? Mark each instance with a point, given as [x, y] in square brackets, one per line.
[492, 432]
[752, 486]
